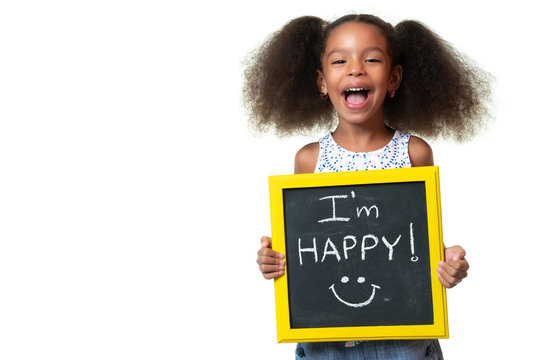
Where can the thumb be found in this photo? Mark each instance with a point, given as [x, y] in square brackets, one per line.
[455, 253]
[266, 242]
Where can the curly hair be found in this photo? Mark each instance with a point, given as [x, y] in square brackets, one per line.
[442, 92]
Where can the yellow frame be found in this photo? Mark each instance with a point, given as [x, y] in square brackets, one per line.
[429, 175]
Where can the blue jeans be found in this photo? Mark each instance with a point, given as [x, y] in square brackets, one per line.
[370, 350]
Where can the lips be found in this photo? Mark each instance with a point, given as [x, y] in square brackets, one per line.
[356, 97]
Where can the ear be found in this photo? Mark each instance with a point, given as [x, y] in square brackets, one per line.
[321, 82]
[395, 78]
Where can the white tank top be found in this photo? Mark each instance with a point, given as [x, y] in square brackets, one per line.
[334, 158]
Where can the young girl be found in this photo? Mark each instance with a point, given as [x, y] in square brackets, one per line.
[382, 82]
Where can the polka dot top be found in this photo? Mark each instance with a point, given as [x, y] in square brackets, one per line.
[334, 158]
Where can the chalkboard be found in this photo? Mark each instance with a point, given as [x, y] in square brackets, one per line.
[361, 249]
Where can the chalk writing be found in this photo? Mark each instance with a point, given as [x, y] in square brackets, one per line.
[347, 248]
[359, 210]
[367, 211]
[334, 251]
[349, 242]
[411, 236]
[311, 249]
[334, 218]
[390, 246]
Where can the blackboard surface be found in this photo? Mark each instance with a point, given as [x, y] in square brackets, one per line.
[358, 255]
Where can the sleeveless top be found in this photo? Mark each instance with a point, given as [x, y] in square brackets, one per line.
[334, 158]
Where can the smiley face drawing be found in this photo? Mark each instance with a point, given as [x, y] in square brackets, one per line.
[360, 280]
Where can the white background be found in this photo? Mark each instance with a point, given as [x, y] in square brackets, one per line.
[132, 195]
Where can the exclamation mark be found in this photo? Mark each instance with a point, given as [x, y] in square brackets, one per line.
[414, 258]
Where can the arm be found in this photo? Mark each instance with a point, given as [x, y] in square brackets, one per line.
[272, 263]
[306, 159]
[420, 152]
[454, 269]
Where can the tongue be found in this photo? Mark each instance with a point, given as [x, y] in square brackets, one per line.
[356, 98]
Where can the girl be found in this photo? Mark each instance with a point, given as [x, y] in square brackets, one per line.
[381, 82]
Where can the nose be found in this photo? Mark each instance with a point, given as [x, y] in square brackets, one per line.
[356, 69]
[356, 72]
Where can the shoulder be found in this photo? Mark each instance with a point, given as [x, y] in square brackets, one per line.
[306, 158]
[420, 152]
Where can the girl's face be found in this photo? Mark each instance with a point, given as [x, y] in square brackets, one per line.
[357, 72]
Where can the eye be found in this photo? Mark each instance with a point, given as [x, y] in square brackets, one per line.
[373, 60]
[338, 62]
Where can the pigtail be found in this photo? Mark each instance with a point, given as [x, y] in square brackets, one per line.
[442, 92]
[280, 89]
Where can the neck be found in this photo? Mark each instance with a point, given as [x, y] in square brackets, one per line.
[362, 137]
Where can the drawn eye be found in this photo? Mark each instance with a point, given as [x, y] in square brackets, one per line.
[360, 280]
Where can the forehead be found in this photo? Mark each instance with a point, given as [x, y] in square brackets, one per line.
[354, 35]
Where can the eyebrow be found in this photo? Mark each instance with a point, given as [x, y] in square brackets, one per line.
[369, 49]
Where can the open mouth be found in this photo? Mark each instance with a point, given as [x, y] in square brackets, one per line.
[356, 96]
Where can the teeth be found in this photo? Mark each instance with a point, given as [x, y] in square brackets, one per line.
[357, 89]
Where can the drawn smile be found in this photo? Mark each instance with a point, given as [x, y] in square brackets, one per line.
[355, 305]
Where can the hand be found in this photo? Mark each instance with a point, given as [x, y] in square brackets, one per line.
[270, 262]
[454, 268]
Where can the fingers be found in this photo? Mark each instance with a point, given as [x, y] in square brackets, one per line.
[452, 272]
[268, 275]
[271, 263]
